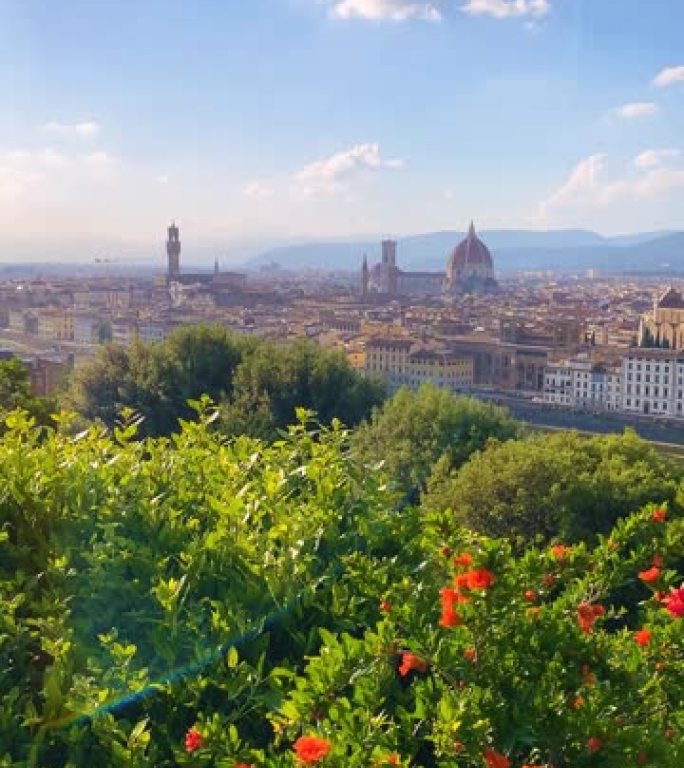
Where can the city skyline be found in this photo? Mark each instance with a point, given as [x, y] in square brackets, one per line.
[335, 118]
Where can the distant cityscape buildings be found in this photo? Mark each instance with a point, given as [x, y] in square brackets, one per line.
[588, 343]
[469, 269]
[219, 280]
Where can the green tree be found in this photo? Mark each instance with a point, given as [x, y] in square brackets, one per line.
[260, 384]
[414, 430]
[274, 380]
[15, 392]
[157, 380]
[562, 485]
[15, 385]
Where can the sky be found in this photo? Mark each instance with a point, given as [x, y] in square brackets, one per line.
[256, 120]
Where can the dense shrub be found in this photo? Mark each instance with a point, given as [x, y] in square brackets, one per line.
[197, 601]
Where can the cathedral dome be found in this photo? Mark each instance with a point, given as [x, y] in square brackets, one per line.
[470, 267]
[470, 257]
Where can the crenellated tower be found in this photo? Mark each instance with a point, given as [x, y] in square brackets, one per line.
[173, 249]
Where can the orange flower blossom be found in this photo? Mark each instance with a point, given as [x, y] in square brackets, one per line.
[311, 749]
[410, 661]
[495, 759]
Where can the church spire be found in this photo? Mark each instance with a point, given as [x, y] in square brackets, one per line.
[471, 229]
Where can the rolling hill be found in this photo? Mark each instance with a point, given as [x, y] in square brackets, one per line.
[513, 251]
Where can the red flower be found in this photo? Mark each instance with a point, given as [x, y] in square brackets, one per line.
[659, 515]
[578, 702]
[464, 560]
[658, 561]
[594, 744]
[385, 606]
[587, 615]
[530, 595]
[311, 749]
[461, 581]
[449, 617]
[560, 552]
[410, 661]
[674, 602]
[193, 740]
[549, 580]
[393, 759]
[480, 578]
[642, 758]
[446, 551]
[651, 575]
[470, 654]
[642, 637]
[495, 759]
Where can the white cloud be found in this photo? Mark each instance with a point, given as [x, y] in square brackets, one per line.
[380, 10]
[34, 173]
[651, 158]
[669, 76]
[636, 110]
[257, 190]
[580, 187]
[505, 9]
[331, 174]
[85, 130]
[588, 185]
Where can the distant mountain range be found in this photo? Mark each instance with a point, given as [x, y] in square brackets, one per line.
[565, 251]
[513, 251]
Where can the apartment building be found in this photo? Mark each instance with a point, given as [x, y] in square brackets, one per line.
[582, 384]
[56, 324]
[558, 389]
[654, 382]
[402, 363]
[444, 369]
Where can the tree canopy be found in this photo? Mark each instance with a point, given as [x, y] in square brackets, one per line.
[564, 485]
[15, 392]
[260, 384]
[412, 431]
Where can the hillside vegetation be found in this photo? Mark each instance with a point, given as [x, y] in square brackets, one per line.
[199, 599]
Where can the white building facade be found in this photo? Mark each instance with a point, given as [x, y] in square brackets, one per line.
[581, 384]
[654, 382]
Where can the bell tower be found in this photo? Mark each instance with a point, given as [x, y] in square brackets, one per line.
[173, 249]
[365, 276]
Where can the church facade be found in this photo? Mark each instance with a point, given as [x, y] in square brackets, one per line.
[663, 326]
[469, 269]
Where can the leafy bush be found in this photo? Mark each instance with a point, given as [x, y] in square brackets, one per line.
[204, 602]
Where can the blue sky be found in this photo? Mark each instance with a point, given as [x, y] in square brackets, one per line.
[257, 119]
